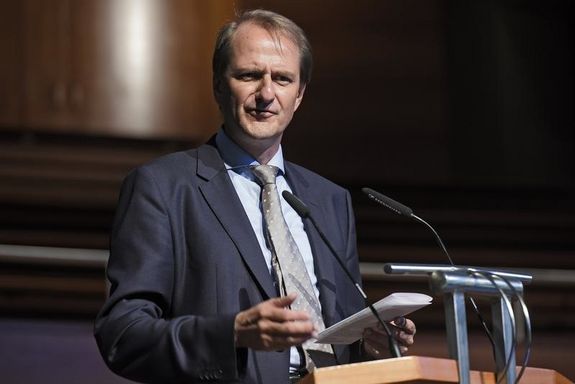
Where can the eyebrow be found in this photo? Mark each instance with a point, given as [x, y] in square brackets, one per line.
[259, 70]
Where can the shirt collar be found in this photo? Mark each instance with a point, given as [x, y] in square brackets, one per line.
[236, 157]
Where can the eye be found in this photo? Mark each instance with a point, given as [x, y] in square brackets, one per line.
[283, 79]
[248, 76]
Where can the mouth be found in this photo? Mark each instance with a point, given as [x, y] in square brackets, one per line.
[260, 114]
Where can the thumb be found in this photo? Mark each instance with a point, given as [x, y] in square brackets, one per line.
[284, 301]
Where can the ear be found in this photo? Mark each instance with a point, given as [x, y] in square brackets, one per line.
[217, 89]
[299, 98]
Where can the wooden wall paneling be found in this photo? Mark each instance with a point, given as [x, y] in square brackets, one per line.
[46, 64]
[130, 68]
[62, 190]
[140, 68]
[11, 41]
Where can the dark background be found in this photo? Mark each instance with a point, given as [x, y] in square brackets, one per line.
[461, 109]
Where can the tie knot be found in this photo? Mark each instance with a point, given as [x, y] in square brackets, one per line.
[265, 174]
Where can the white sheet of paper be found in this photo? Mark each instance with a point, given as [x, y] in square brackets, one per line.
[350, 329]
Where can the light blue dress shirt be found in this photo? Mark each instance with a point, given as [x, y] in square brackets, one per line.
[238, 163]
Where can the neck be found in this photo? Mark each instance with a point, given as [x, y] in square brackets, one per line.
[263, 156]
[261, 149]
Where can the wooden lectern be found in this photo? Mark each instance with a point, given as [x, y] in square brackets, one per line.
[414, 369]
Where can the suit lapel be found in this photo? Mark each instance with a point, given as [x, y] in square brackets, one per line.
[323, 262]
[219, 193]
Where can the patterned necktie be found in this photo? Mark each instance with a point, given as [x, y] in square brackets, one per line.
[289, 266]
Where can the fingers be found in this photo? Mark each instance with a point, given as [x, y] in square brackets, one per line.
[274, 309]
[376, 339]
[271, 326]
[404, 324]
[404, 331]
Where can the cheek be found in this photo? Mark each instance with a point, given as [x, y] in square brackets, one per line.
[241, 94]
[290, 100]
[291, 106]
[235, 103]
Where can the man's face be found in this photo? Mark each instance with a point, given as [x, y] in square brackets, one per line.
[261, 87]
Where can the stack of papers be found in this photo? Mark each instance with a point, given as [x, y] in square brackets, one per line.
[351, 329]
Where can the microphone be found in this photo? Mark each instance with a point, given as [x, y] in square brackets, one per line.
[303, 211]
[388, 202]
[403, 210]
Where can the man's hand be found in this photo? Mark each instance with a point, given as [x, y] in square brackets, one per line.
[375, 341]
[271, 326]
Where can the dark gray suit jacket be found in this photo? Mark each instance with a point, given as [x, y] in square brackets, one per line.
[184, 261]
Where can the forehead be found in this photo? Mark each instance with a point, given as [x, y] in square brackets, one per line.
[252, 43]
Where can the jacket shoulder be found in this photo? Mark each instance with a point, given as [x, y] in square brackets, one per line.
[181, 164]
[315, 179]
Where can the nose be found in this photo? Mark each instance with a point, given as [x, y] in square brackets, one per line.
[265, 93]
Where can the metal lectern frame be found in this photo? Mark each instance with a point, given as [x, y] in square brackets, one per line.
[454, 283]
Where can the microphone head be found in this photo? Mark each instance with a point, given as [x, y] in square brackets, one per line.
[395, 206]
[301, 209]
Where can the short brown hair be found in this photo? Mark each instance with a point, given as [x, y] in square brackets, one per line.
[271, 22]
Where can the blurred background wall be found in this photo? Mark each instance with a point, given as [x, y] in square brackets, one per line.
[461, 109]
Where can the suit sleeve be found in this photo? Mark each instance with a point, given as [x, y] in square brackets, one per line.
[136, 334]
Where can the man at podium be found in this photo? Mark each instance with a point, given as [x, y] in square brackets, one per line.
[213, 275]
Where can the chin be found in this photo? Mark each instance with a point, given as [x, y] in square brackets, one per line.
[262, 131]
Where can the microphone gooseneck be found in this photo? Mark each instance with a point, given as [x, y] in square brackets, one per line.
[403, 210]
[303, 211]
